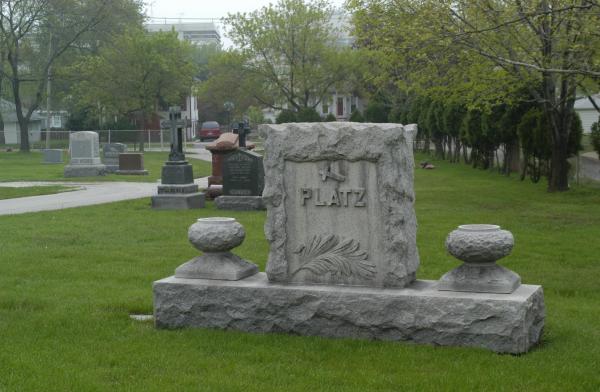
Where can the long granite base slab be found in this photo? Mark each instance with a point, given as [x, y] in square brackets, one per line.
[504, 323]
[185, 201]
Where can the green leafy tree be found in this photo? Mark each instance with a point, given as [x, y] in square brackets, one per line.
[289, 51]
[35, 34]
[483, 52]
[136, 75]
[595, 137]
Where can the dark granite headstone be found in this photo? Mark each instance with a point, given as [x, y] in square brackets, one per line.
[243, 174]
[131, 163]
[111, 153]
[177, 189]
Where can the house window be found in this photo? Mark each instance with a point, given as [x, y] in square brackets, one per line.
[325, 108]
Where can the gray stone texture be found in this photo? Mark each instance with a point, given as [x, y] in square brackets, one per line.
[84, 148]
[84, 155]
[479, 243]
[84, 170]
[479, 246]
[177, 173]
[243, 173]
[53, 156]
[111, 153]
[490, 278]
[342, 189]
[240, 203]
[185, 201]
[419, 313]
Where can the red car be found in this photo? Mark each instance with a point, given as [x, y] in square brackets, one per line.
[209, 130]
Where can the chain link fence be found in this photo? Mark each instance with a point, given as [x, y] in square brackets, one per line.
[154, 139]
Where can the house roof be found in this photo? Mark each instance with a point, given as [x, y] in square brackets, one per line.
[584, 103]
[9, 112]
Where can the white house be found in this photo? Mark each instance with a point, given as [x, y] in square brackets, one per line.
[198, 33]
[12, 130]
[587, 113]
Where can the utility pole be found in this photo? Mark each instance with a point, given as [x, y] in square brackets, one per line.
[48, 94]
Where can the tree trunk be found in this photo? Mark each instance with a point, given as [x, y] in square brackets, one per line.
[558, 179]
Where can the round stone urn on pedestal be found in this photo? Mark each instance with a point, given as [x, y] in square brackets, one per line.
[479, 247]
[215, 237]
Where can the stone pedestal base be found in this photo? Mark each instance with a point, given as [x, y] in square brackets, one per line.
[240, 203]
[184, 201]
[489, 278]
[504, 323]
[133, 172]
[222, 266]
[84, 170]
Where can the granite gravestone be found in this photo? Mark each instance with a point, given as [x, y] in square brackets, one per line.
[132, 163]
[177, 189]
[243, 181]
[243, 174]
[341, 228]
[111, 153]
[53, 156]
[85, 157]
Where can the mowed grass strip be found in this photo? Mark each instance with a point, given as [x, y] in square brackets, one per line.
[13, 192]
[70, 279]
[17, 166]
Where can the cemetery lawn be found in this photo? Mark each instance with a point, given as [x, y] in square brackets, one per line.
[70, 279]
[12, 193]
[16, 166]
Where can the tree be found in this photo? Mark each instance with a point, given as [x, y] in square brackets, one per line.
[34, 34]
[289, 50]
[549, 47]
[136, 75]
[595, 137]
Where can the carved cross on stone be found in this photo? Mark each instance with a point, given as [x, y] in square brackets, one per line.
[328, 173]
[176, 154]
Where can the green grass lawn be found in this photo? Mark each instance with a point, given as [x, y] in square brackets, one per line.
[70, 279]
[12, 193]
[16, 166]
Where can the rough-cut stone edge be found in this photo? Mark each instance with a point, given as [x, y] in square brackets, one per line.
[378, 143]
[504, 323]
[240, 203]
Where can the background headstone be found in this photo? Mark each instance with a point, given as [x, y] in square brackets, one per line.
[131, 163]
[111, 153]
[84, 150]
[53, 156]
[243, 174]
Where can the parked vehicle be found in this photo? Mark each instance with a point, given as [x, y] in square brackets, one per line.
[209, 130]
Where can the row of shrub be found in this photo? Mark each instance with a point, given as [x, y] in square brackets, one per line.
[518, 132]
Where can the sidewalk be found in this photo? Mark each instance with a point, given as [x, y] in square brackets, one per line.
[88, 194]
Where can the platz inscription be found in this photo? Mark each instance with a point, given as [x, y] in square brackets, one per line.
[333, 197]
[323, 197]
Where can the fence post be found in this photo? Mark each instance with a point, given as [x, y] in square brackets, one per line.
[161, 139]
[109, 136]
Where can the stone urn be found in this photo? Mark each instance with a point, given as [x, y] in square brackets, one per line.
[479, 246]
[216, 237]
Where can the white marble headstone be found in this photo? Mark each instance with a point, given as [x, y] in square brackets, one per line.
[84, 148]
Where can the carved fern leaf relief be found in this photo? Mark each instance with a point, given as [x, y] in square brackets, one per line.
[337, 255]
